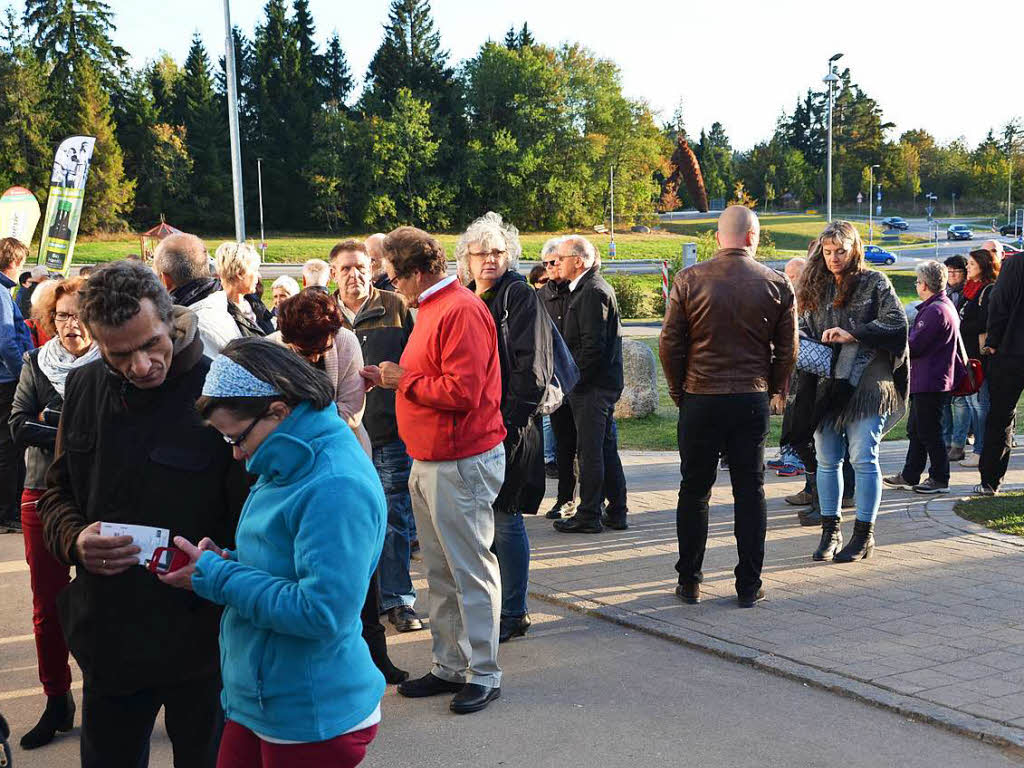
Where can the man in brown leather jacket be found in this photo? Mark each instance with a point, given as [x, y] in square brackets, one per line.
[728, 345]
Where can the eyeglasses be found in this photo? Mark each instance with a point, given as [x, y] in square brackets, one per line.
[496, 254]
[549, 263]
[65, 317]
[394, 281]
[236, 442]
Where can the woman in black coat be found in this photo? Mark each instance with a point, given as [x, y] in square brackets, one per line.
[35, 412]
[488, 252]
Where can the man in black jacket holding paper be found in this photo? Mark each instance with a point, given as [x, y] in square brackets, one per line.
[592, 333]
[131, 449]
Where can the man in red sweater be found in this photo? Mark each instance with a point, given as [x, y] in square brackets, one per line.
[448, 397]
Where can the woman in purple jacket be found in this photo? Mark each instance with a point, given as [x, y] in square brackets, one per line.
[934, 367]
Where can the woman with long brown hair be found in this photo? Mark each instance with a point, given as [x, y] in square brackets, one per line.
[856, 311]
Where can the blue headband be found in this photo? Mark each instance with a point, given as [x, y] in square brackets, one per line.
[226, 378]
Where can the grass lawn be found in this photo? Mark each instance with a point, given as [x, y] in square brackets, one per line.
[297, 248]
[1004, 513]
[658, 431]
[790, 233]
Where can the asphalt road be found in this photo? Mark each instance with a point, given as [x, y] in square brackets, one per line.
[578, 692]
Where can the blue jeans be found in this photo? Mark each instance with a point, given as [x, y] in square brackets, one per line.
[549, 442]
[512, 547]
[971, 412]
[393, 465]
[862, 438]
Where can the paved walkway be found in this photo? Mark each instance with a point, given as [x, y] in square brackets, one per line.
[932, 625]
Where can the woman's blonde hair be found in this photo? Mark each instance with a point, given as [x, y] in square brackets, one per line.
[817, 278]
[234, 259]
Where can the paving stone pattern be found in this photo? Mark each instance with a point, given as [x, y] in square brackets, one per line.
[931, 625]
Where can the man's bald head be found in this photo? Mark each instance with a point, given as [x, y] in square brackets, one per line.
[994, 247]
[738, 227]
[180, 259]
[795, 268]
[375, 250]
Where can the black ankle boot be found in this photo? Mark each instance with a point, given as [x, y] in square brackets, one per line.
[831, 538]
[861, 545]
[377, 643]
[59, 715]
[513, 626]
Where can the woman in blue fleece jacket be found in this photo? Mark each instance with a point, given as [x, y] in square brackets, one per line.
[299, 684]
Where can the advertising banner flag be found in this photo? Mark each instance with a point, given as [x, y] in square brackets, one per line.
[64, 207]
[19, 214]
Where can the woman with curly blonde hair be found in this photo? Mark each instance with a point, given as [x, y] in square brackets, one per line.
[856, 311]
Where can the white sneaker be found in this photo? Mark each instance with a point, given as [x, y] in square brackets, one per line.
[971, 460]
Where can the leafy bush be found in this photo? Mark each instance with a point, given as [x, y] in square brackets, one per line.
[635, 299]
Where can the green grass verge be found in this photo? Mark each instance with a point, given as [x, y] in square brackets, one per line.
[657, 432]
[297, 248]
[1004, 513]
[790, 233]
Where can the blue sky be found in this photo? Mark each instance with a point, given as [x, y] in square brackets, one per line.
[950, 69]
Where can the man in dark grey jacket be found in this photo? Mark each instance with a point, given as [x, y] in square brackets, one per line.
[592, 333]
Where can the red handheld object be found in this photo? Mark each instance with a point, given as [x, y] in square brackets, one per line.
[167, 560]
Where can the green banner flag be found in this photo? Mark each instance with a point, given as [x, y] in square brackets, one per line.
[64, 207]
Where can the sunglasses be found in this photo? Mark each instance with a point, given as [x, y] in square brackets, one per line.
[549, 263]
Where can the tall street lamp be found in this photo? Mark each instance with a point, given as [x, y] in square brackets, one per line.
[831, 79]
[871, 201]
[236, 147]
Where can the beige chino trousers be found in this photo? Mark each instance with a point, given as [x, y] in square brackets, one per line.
[451, 501]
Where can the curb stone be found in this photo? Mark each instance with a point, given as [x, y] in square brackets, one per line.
[942, 512]
[983, 729]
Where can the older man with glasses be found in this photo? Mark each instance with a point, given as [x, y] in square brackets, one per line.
[448, 404]
[382, 323]
[592, 332]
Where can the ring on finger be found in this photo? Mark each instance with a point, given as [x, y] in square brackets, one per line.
[103, 564]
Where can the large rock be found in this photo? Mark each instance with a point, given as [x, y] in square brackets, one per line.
[640, 395]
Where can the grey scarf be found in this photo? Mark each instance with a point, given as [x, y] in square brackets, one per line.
[869, 375]
[56, 362]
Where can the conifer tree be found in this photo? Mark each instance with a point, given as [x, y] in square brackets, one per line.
[337, 78]
[109, 194]
[26, 125]
[66, 33]
[203, 117]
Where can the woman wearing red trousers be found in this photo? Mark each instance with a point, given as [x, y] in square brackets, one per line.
[34, 415]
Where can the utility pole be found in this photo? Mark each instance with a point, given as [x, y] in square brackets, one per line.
[611, 245]
[259, 186]
[830, 79]
[236, 148]
[871, 202]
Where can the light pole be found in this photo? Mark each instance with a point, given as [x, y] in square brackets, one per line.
[236, 148]
[830, 78]
[931, 198]
[611, 192]
[259, 183]
[871, 202]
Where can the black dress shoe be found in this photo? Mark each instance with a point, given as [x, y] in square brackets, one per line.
[473, 698]
[749, 600]
[578, 524]
[404, 618]
[615, 523]
[688, 593]
[551, 470]
[428, 685]
[513, 626]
